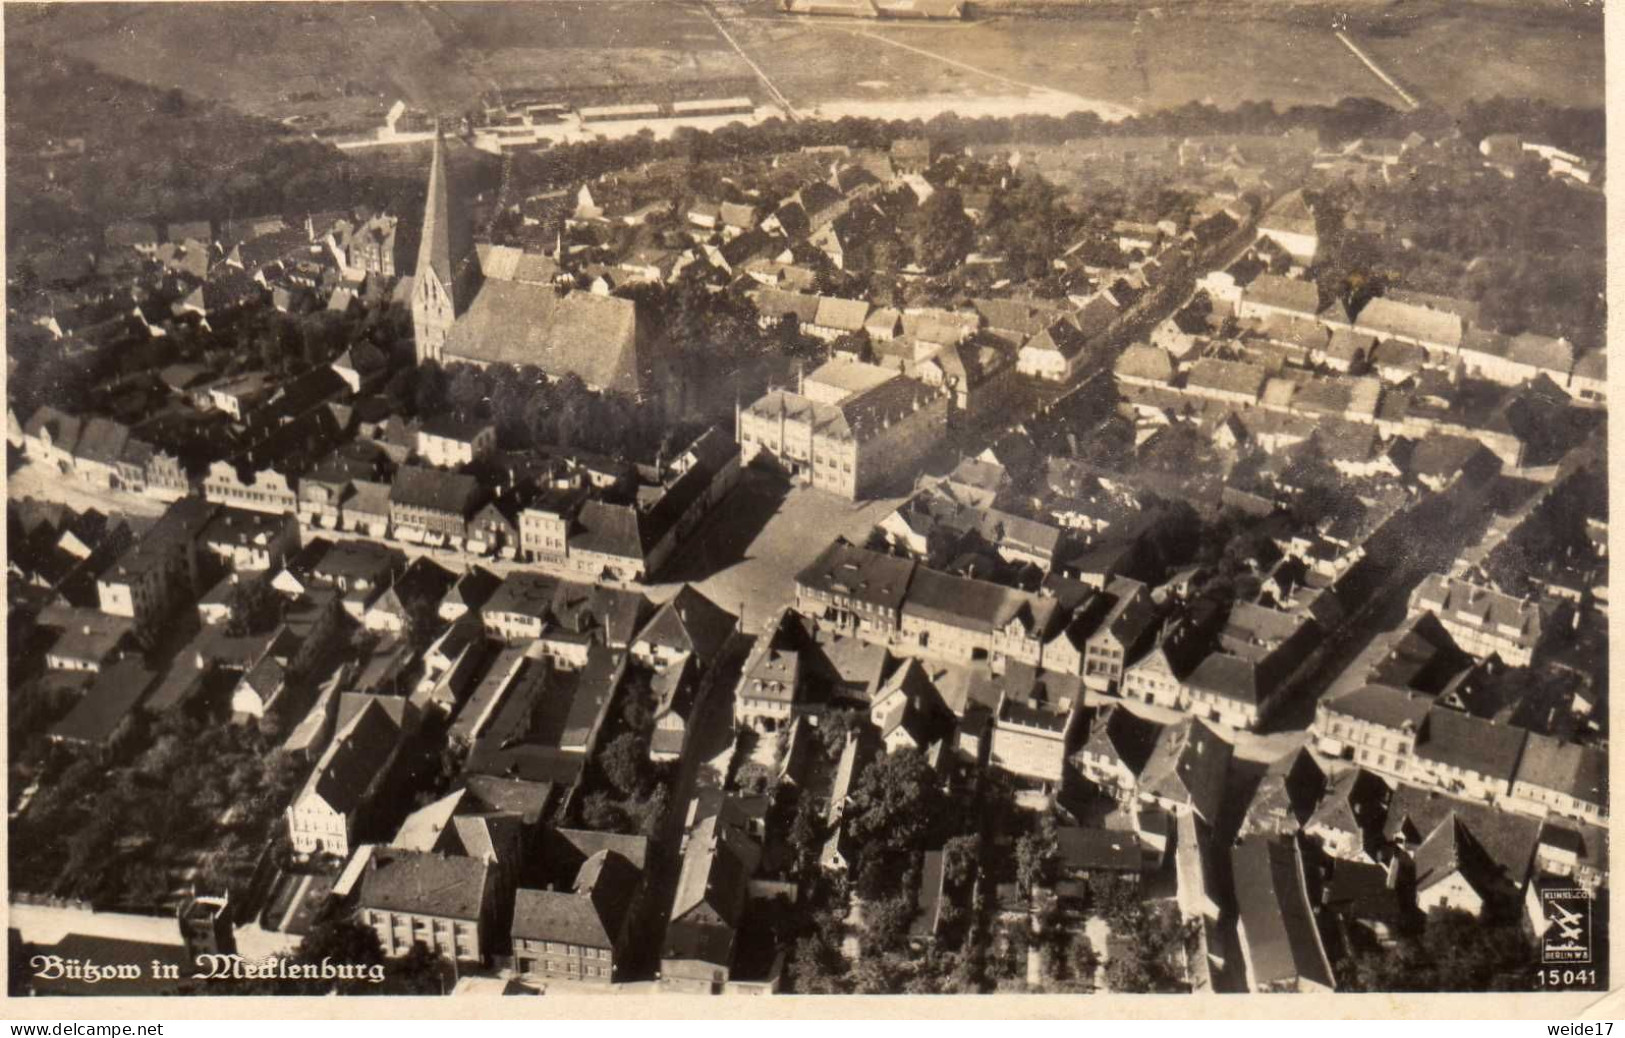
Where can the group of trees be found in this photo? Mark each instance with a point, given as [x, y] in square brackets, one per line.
[178, 790]
[529, 409]
[1528, 249]
[1454, 952]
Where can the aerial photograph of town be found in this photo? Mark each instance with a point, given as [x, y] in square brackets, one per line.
[806, 497]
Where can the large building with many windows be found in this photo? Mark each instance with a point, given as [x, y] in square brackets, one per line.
[852, 448]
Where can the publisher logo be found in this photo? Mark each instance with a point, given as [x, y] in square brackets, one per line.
[1568, 926]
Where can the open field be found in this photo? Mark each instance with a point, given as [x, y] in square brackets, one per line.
[339, 66]
[1460, 56]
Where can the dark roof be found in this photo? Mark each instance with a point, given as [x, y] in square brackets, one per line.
[1189, 764]
[1509, 839]
[447, 886]
[109, 700]
[590, 915]
[528, 594]
[1470, 743]
[1283, 942]
[1287, 794]
[450, 492]
[869, 576]
[350, 766]
[1120, 733]
[1577, 771]
[691, 622]
[1089, 849]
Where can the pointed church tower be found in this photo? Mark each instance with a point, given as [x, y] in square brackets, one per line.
[433, 301]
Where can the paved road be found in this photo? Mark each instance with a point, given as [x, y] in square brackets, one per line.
[46, 483]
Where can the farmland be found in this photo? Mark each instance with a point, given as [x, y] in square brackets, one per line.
[336, 68]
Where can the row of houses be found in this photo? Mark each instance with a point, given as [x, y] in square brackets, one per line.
[567, 527]
[1443, 328]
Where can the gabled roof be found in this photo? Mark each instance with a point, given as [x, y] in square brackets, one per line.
[1277, 921]
[352, 763]
[690, 622]
[1385, 317]
[1283, 293]
[1120, 734]
[446, 886]
[579, 333]
[452, 493]
[1188, 765]
[1577, 771]
[1291, 787]
[109, 700]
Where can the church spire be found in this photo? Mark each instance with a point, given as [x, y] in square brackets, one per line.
[435, 251]
[434, 303]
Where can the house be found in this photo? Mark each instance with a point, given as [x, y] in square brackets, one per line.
[444, 902]
[1031, 732]
[908, 711]
[1562, 778]
[1270, 296]
[1287, 795]
[771, 689]
[432, 507]
[1229, 381]
[1114, 624]
[1365, 894]
[1054, 354]
[1290, 223]
[1482, 620]
[1281, 949]
[1185, 773]
[676, 694]
[1486, 857]
[467, 597]
[1115, 753]
[853, 448]
[322, 818]
[105, 707]
[1142, 365]
[445, 442]
[1347, 824]
[519, 609]
[362, 367]
[580, 933]
[1083, 853]
[1438, 331]
[1374, 725]
[250, 541]
[688, 626]
[862, 748]
[712, 887]
[1158, 677]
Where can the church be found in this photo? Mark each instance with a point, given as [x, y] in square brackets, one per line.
[467, 309]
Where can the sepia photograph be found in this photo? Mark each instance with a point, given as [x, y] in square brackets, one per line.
[748, 498]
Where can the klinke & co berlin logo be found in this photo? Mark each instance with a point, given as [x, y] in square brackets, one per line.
[1568, 926]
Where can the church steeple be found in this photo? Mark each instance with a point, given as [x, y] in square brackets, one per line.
[433, 300]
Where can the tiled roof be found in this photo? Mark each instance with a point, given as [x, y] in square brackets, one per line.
[1385, 317]
[447, 886]
[1470, 743]
[452, 493]
[352, 762]
[1577, 771]
[1283, 293]
[580, 333]
[1278, 923]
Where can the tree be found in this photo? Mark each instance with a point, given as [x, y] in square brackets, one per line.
[806, 836]
[255, 608]
[1035, 856]
[944, 234]
[600, 813]
[959, 860]
[419, 972]
[816, 967]
[898, 804]
[625, 763]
